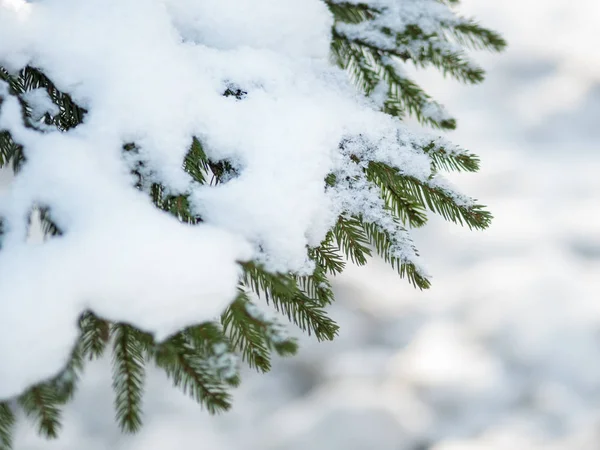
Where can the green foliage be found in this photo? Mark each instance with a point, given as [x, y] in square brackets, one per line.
[283, 292]
[95, 335]
[187, 360]
[368, 64]
[384, 244]
[42, 404]
[350, 236]
[199, 360]
[129, 348]
[253, 336]
[442, 159]
[7, 421]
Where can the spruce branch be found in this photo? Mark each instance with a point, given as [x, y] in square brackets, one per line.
[351, 238]
[41, 403]
[348, 12]
[385, 244]
[209, 340]
[190, 371]
[128, 376]
[407, 208]
[317, 286]
[327, 255]
[436, 198]
[470, 34]
[283, 293]
[443, 159]
[360, 64]
[253, 335]
[7, 422]
[196, 162]
[95, 335]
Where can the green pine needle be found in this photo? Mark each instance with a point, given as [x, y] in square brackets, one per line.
[190, 371]
[253, 337]
[351, 238]
[7, 422]
[128, 377]
[383, 243]
[441, 159]
[95, 334]
[351, 12]
[282, 292]
[41, 403]
[436, 199]
[410, 211]
[328, 255]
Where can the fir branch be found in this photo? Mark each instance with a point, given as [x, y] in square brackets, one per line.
[351, 12]
[405, 96]
[458, 161]
[317, 286]
[453, 63]
[327, 255]
[94, 337]
[128, 376]
[470, 34]
[351, 238]
[253, 336]
[282, 291]
[49, 227]
[196, 162]
[70, 115]
[368, 65]
[10, 151]
[437, 199]
[190, 372]
[41, 403]
[178, 206]
[408, 209]
[384, 244]
[360, 65]
[210, 341]
[7, 422]
[65, 383]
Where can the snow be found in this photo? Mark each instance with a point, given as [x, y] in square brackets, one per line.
[153, 72]
[430, 16]
[518, 302]
[40, 103]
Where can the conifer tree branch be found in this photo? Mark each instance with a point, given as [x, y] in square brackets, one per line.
[351, 238]
[348, 12]
[451, 160]
[95, 335]
[282, 292]
[42, 404]
[410, 211]
[384, 243]
[435, 198]
[210, 341]
[128, 377]
[190, 372]
[328, 256]
[317, 286]
[7, 422]
[253, 336]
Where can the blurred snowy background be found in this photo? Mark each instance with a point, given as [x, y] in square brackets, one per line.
[504, 351]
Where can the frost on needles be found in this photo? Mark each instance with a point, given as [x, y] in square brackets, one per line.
[198, 166]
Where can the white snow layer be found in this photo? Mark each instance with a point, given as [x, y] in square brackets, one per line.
[153, 72]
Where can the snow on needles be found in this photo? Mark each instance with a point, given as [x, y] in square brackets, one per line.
[153, 72]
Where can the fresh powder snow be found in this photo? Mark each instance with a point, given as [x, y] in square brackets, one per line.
[153, 72]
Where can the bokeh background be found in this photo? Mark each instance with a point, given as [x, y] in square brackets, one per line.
[504, 351]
